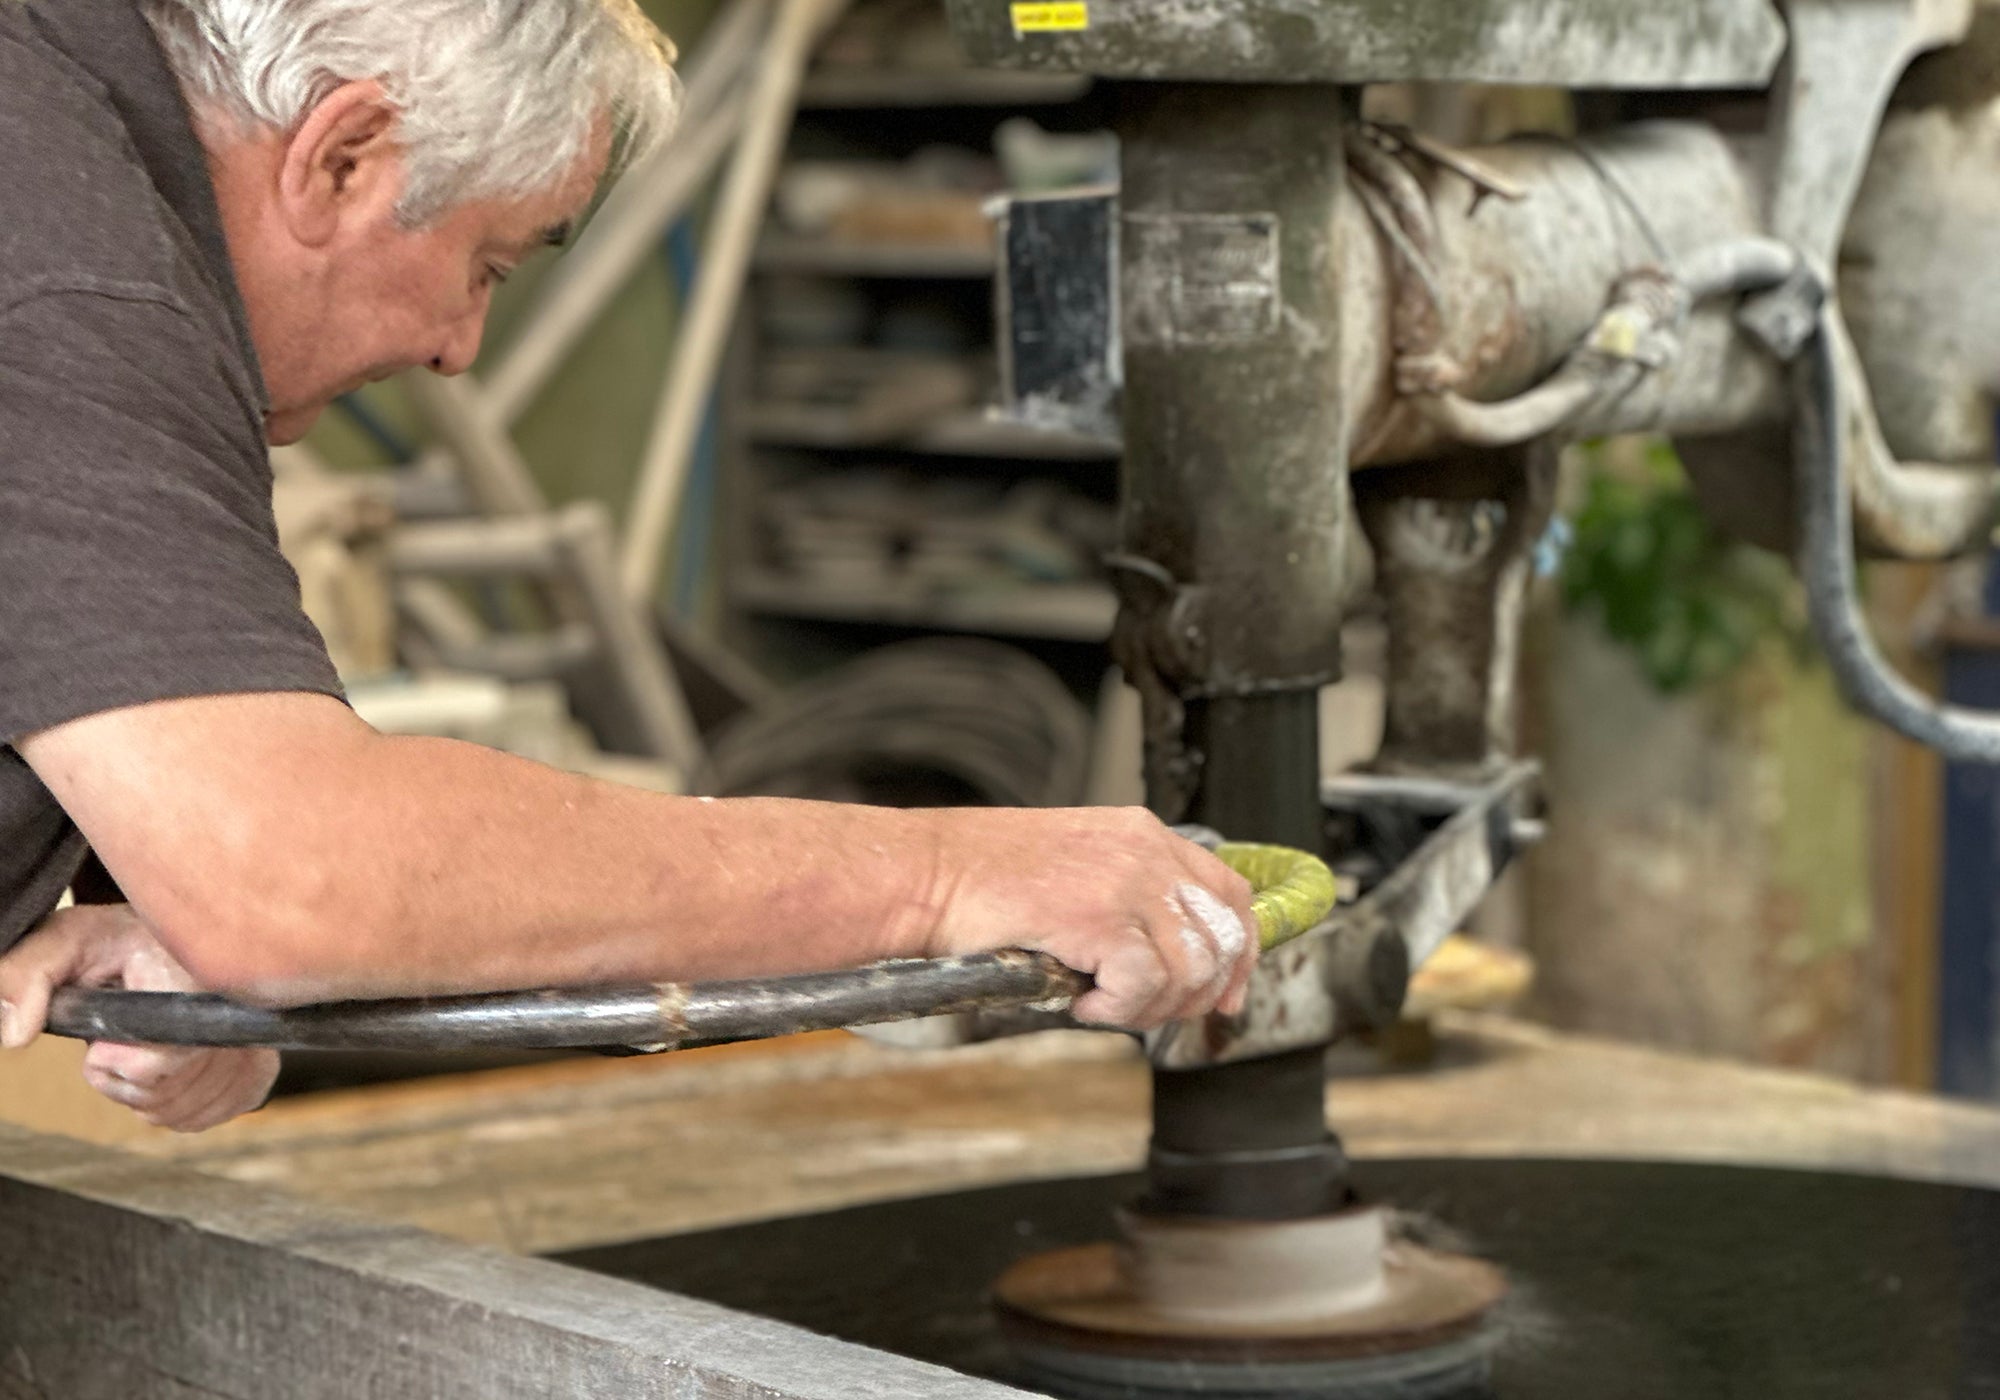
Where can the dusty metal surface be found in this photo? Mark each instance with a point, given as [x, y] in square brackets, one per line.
[1917, 293]
[1512, 286]
[1604, 43]
[1234, 532]
[1843, 60]
[1453, 576]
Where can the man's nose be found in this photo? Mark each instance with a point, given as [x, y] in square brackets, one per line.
[461, 347]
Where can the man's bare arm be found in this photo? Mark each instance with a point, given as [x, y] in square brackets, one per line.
[284, 851]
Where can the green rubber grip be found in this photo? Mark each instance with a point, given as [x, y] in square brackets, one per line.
[1294, 891]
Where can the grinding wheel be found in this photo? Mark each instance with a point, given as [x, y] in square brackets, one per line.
[1331, 1307]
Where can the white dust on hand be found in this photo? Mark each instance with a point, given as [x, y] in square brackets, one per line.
[1222, 933]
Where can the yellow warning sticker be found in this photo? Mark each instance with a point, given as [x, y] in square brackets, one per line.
[1050, 18]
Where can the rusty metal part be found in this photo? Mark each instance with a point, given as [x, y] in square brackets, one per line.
[1323, 1306]
[1441, 289]
[1524, 282]
[1453, 576]
[1595, 43]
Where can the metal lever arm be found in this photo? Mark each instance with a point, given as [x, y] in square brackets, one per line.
[1294, 893]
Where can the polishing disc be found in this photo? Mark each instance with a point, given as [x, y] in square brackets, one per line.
[1331, 1306]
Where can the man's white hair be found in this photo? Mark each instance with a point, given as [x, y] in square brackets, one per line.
[497, 97]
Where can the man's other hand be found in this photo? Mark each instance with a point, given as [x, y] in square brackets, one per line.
[1163, 926]
[107, 945]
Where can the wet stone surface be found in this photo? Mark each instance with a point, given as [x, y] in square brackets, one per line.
[1631, 1280]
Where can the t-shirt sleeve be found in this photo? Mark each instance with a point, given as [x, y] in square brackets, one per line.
[138, 554]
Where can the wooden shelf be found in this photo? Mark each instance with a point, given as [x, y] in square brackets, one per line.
[1075, 612]
[827, 88]
[971, 434]
[784, 252]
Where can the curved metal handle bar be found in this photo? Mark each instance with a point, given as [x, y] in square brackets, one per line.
[1295, 892]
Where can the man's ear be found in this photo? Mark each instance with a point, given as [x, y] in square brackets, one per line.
[342, 164]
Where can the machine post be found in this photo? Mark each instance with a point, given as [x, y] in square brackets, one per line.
[1234, 574]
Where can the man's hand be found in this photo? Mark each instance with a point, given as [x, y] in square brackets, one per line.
[1164, 927]
[107, 945]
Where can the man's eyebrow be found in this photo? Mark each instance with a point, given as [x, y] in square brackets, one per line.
[554, 236]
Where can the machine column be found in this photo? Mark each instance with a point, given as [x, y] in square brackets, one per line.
[1234, 575]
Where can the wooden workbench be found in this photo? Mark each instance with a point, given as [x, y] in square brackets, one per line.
[131, 1278]
[556, 1157]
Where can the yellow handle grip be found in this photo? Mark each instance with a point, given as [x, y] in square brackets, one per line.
[1294, 890]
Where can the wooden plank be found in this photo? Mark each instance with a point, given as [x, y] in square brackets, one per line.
[128, 1280]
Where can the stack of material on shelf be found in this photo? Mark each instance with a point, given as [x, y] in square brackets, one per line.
[842, 397]
[932, 534]
[935, 199]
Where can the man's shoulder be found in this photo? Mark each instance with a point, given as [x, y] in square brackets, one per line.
[82, 213]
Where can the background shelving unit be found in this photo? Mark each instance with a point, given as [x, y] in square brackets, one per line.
[871, 495]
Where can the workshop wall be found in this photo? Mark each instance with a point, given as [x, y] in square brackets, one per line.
[1715, 877]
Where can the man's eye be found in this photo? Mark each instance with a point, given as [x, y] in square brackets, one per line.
[496, 274]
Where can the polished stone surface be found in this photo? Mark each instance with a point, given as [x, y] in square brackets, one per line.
[1638, 1281]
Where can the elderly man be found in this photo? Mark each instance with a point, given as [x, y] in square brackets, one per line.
[217, 216]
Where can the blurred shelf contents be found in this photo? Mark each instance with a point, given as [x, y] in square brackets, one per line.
[877, 486]
[890, 546]
[1048, 612]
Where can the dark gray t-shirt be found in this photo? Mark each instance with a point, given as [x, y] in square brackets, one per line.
[138, 556]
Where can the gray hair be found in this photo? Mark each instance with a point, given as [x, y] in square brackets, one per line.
[497, 97]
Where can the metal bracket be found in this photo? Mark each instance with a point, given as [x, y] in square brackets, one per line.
[1351, 973]
[1596, 43]
[1843, 62]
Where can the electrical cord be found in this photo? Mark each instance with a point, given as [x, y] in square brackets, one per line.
[1823, 457]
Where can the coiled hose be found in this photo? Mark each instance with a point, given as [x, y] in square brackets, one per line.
[1295, 892]
[925, 723]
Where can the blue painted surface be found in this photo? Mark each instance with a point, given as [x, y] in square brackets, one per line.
[1969, 907]
[697, 520]
[1968, 1057]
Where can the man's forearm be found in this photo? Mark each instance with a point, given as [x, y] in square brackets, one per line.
[465, 869]
[347, 863]
[283, 851]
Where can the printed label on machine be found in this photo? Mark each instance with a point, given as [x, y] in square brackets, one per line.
[1051, 18]
[1202, 279]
